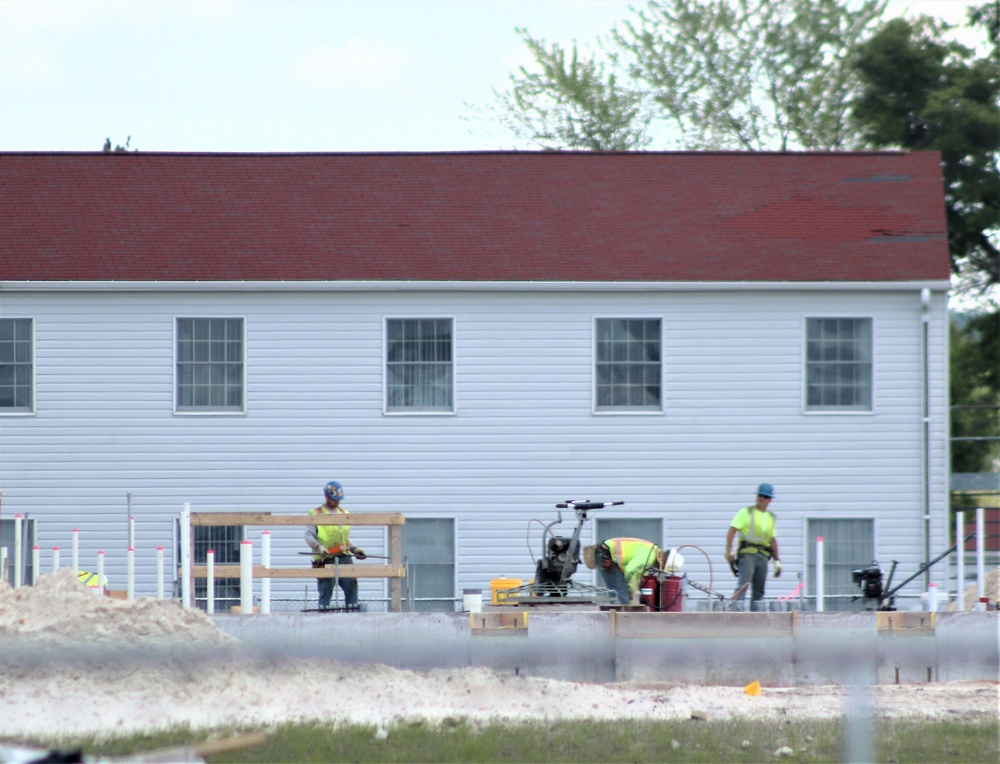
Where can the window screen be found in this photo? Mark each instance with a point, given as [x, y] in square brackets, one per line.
[847, 545]
[838, 364]
[429, 550]
[627, 367]
[17, 365]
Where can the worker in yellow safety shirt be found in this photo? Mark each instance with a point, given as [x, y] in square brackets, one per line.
[621, 562]
[92, 580]
[331, 543]
[758, 544]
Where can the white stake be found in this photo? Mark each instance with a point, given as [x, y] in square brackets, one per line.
[960, 561]
[55, 559]
[100, 569]
[980, 547]
[130, 574]
[265, 583]
[186, 556]
[17, 551]
[246, 577]
[36, 560]
[932, 597]
[819, 575]
[159, 572]
[75, 551]
[210, 581]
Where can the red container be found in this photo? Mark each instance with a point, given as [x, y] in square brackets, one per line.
[671, 597]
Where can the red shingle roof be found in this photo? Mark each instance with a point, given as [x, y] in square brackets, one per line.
[514, 216]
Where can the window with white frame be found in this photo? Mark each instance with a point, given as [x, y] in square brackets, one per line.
[419, 368]
[210, 369]
[838, 364]
[848, 544]
[429, 550]
[627, 364]
[17, 365]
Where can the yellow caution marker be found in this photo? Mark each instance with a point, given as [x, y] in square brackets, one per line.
[752, 689]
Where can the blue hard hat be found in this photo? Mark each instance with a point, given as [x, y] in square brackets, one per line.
[334, 491]
[765, 489]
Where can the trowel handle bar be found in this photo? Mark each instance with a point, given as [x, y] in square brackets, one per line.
[588, 504]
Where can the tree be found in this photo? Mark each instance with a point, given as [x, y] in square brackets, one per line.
[921, 93]
[727, 74]
[118, 148]
[975, 398]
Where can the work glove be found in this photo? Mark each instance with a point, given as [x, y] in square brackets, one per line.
[777, 568]
[729, 554]
[359, 553]
[322, 550]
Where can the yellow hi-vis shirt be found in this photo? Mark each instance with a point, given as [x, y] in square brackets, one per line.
[333, 537]
[754, 527]
[633, 556]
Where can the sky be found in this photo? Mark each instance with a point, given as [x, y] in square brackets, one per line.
[288, 76]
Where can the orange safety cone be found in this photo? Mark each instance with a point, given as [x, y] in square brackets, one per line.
[752, 689]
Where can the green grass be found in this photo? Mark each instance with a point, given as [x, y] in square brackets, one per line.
[579, 742]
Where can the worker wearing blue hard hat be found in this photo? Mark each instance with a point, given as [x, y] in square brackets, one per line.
[758, 544]
[331, 544]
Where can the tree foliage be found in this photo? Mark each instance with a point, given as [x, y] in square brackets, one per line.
[726, 74]
[117, 148]
[975, 392]
[921, 93]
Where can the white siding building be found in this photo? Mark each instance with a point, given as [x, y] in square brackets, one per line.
[469, 339]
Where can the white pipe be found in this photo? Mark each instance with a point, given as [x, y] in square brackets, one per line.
[265, 583]
[932, 597]
[130, 574]
[819, 575]
[3, 562]
[960, 561]
[131, 526]
[17, 551]
[246, 577]
[980, 549]
[36, 560]
[185, 541]
[100, 569]
[925, 359]
[55, 559]
[210, 581]
[75, 551]
[159, 572]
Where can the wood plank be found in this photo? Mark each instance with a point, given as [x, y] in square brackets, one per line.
[346, 571]
[267, 519]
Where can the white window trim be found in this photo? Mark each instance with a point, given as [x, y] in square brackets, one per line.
[806, 411]
[173, 373]
[386, 411]
[34, 372]
[594, 410]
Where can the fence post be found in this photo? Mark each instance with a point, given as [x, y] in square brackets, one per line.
[185, 541]
[246, 577]
[820, 582]
[265, 583]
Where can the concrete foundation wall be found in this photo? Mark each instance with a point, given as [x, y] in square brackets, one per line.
[778, 649]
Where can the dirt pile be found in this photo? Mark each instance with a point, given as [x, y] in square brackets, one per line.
[130, 667]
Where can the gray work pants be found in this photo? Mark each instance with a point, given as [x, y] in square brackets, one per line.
[753, 568]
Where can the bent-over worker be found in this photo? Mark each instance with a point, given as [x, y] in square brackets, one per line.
[621, 562]
[331, 544]
[758, 544]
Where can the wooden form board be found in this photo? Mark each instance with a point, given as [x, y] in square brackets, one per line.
[395, 571]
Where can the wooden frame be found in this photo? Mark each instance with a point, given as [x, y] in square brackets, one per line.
[394, 570]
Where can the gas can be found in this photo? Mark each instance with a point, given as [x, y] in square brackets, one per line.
[671, 597]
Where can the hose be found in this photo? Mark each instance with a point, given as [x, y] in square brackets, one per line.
[707, 558]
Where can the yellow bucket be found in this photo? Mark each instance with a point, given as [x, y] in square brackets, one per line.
[501, 584]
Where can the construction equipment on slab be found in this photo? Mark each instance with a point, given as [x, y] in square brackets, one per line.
[553, 584]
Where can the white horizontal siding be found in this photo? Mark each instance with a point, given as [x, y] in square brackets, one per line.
[523, 436]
